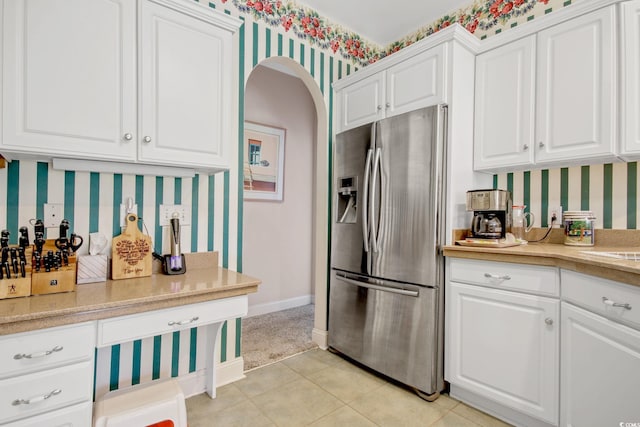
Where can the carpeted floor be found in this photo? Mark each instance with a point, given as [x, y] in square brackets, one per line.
[271, 337]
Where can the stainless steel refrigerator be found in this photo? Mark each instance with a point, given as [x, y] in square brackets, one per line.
[387, 271]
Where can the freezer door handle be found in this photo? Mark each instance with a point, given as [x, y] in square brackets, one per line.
[365, 200]
[405, 292]
[372, 214]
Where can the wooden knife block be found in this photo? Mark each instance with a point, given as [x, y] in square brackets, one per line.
[54, 281]
[17, 286]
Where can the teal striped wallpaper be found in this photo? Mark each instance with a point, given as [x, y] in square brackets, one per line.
[91, 203]
[610, 191]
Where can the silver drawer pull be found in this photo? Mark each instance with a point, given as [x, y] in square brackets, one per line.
[37, 355]
[495, 276]
[616, 304]
[548, 321]
[183, 322]
[36, 399]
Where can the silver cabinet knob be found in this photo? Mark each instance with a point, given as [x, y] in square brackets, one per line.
[379, 107]
[387, 105]
[525, 147]
[548, 321]
[128, 137]
[147, 139]
[541, 144]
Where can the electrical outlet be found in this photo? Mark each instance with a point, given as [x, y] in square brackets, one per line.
[167, 211]
[53, 214]
[557, 211]
[123, 213]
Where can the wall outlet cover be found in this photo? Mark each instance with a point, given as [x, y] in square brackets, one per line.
[123, 213]
[53, 214]
[557, 210]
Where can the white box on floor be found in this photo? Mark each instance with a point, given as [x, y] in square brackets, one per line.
[142, 405]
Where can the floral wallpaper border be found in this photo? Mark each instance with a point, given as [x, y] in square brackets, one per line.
[482, 18]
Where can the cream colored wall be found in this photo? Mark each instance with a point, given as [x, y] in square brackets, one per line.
[277, 236]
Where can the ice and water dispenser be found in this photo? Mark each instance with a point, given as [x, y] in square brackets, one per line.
[347, 199]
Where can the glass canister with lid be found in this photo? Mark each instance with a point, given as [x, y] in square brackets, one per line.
[579, 228]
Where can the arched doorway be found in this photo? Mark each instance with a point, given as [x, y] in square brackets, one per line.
[318, 189]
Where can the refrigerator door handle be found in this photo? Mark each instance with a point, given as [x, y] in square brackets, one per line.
[372, 206]
[405, 292]
[365, 199]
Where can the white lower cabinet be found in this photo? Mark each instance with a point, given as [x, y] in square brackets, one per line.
[503, 345]
[72, 416]
[48, 378]
[600, 380]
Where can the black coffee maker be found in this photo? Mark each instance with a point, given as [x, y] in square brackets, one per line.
[491, 213]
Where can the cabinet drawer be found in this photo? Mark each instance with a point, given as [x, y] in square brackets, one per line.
[137, 326]
[31, 351]
[599, 295]
[518, 277]
[26, 395]
[73, 416]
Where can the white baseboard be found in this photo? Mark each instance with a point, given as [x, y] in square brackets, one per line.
[270, 307]
[195, 382]
[320, 337]
[230, 371]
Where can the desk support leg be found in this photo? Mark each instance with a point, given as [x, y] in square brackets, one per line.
[212, 332]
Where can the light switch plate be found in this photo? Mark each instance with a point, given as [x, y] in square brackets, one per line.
[167, 211]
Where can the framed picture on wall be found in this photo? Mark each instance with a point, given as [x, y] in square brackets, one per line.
[263, 162]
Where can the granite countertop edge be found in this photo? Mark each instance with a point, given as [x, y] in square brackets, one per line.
[575, 258]
[95, 301]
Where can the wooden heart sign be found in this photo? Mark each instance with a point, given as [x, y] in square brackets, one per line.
[131, 252]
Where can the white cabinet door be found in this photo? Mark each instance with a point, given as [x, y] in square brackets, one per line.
[361, 102]
[504, 106]
[600, 370]
[416, 82]
[69, 77]
[504, 346]
[630, 91]
[576, 89]
[185, 80]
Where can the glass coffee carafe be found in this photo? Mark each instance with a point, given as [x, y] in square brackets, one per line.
[521, 222]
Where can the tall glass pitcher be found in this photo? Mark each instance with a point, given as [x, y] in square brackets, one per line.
[519, 221]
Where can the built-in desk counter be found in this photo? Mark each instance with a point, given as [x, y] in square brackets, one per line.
[48, 342]
[204, 281]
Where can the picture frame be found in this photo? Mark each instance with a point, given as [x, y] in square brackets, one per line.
[263, 172]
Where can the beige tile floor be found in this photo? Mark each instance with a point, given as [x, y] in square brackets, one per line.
[318, 388]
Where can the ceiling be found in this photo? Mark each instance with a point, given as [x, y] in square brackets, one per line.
[383, 21]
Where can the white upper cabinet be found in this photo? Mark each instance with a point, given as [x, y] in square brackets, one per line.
[416, 82]
[119, 80]
[630, 85]
[576, 109]
[361, 102]
[69, 71]
[550, 98]
[412, 83]
[185, 86]
[504, 106]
